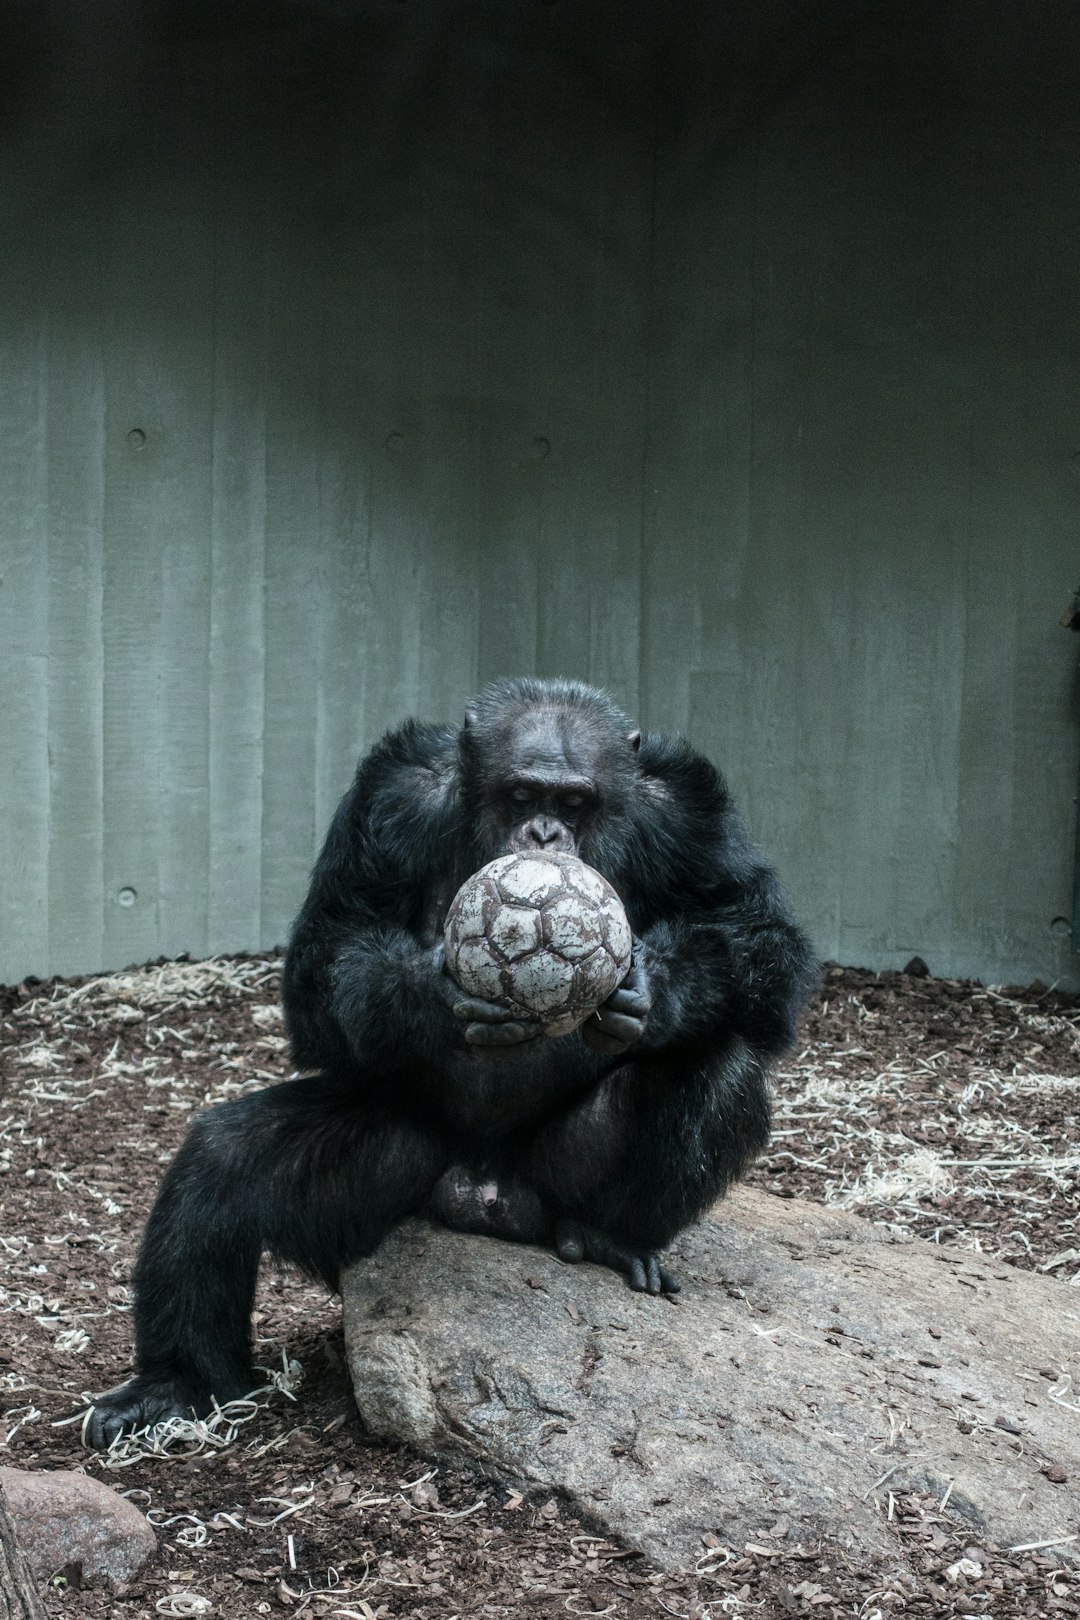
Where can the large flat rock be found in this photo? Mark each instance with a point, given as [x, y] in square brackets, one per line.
[809, 1355]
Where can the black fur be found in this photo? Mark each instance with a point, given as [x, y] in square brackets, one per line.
[608, 1152]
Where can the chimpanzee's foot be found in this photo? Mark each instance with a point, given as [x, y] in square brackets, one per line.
[145, 1400]
[643, 1272]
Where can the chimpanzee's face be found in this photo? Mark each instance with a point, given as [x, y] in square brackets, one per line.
[541, 789]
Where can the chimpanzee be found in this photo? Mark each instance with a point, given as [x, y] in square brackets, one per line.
[416, 1098]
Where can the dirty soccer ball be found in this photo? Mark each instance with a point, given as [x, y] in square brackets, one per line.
[543, 933]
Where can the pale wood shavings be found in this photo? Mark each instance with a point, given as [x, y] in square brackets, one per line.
[964, 1135]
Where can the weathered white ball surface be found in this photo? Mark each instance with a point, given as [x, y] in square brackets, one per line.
[542, 933]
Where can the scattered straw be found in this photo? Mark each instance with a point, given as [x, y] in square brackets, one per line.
[188, 1437]
[184, 1603]
[157, 988]
[975, 1133]
[1037, 1546]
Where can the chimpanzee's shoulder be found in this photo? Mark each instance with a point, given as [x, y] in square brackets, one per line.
[401, 813]
[415, 744]
[416, 761]
[689, 845]
[676, 775]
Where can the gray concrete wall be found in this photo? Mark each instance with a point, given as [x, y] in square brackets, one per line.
[723, 356]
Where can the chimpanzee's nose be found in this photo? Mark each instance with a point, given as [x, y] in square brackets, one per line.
[544, 830]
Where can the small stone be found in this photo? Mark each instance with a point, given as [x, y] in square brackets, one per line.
[63, 1520]
[917, 969]
[1055, 1474]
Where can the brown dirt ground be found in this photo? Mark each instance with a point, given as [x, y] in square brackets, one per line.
[946, 1108]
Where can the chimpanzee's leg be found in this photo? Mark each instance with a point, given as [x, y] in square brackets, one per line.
[298, 1170]
[646, 1152]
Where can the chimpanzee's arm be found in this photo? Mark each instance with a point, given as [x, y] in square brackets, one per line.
[698, 979]
[364, 992]
[741, 968]
[717, 952]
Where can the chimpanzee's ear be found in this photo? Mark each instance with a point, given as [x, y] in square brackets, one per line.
[634, 739]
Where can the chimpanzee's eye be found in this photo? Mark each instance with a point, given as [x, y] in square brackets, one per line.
[573, 801]
[521, 795]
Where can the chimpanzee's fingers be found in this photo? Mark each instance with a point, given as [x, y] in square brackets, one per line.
[620, 1026]
[632, 1002]
[635, 979]
[600, 1041]
[472, 1010]
[669, 1281]
[498, 1035]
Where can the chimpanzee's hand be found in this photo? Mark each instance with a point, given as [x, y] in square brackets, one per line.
[643, 1271]
[489, 1026]
[616, 1025]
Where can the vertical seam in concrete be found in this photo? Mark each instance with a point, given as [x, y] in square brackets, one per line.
[647, 385]
[211, 689]
[44, 325]
[965, 673]
[751, 426]
[264, 393]
[98, 251]
[322, 576]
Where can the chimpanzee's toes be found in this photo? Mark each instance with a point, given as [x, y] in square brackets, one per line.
[646, 1275]
[138, 1403]
[636, 1275]
[643, 1272]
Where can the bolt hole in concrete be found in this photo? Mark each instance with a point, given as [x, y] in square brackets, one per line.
[126, 898]
[1061, 926]
[541, 449]
[395, 443]
[136, 438]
